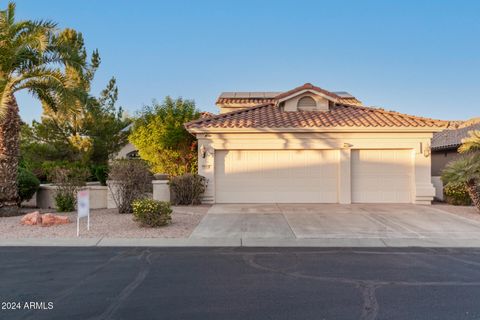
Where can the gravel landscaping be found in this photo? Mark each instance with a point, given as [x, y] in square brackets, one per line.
[107, 223]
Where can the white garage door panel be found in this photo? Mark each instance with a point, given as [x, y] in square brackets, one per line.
[382, 176]
[282, 176]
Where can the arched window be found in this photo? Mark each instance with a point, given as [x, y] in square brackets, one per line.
[306, 103]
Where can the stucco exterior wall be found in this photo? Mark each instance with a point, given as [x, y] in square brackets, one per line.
[440, 160]
[438, 185]
[291, 104]
[122, 154]
[45, 196]
[344, 142]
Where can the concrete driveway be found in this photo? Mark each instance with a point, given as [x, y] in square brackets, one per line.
[402, 224]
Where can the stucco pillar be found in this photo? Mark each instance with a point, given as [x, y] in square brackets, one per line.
[206, 168]
[424, 191]
[161, 190]
[344, 177]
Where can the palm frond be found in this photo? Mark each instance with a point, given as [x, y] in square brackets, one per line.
[471, 143]
[462, 170]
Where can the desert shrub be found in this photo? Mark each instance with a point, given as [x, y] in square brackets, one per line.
[68, 182]
[131, 179]
[188, 188]
[152, 213]
[100, 172]
[27, 184]
[457, 194]
[65, 202]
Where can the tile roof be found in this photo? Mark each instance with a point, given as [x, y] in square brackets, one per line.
[206, 114]
[307, 86]
[452, 138]
[250, 99]
[270, 115]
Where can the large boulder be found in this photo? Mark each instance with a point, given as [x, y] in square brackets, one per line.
[61, 219]
[48, 219]
[45, 220]
[32, 218]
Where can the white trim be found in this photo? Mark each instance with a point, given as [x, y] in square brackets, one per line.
[326, 129]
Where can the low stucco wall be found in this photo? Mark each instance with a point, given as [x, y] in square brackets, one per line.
[46, 193]
[438, 185]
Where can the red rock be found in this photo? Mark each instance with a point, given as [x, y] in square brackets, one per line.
[31, 218]
[61, 220]
[48, 219]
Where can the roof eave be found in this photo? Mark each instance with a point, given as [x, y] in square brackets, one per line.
[308, 130]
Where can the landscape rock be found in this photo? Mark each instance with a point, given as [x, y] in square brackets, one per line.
[61, 219]
[32, 218]
[48, 219]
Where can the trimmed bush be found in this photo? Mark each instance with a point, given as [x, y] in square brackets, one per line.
[100, 172]
[457, 194]
[152, 213]
[188, 188]
[27, 184]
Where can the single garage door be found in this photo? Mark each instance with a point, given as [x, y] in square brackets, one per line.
[276, 176]
[382, 176]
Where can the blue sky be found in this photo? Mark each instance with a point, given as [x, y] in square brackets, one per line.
[417, 57]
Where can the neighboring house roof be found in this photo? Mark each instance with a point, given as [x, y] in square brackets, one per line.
[452, 138]
[270, 115]
[250, 99]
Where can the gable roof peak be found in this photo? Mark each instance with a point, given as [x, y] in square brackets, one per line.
[308, 86]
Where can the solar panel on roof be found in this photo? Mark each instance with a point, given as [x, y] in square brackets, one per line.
[343, 94]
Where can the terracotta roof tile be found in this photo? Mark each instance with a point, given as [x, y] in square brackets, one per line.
[270, 115]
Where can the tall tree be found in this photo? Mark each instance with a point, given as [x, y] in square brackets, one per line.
[106, 124]
[34, 56]
[161, 139]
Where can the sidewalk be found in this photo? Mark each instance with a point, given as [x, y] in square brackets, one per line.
[240, 242]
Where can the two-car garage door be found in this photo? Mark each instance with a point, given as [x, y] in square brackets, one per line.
[281, 176]
[310, 176]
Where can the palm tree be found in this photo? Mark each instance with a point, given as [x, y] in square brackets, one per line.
[466, 171]
[32, 57]
[471, 143]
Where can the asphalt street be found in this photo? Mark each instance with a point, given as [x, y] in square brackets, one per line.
[239, 283]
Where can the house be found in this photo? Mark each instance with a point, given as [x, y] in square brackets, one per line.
[310, 145]
[444, 149]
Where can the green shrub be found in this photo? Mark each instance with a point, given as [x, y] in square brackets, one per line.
[456, 194]
[65, 202]
[188, 188]
[100, 172]
[27, 184]
[152, 213]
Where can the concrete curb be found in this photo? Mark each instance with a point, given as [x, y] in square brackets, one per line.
[241, 242]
